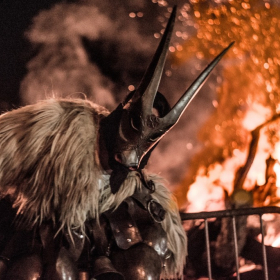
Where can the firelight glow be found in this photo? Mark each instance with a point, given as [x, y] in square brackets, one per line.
[247, 83]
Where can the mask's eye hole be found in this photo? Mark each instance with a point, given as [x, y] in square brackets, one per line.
[154, 138]
[122, 134]
[135, 123]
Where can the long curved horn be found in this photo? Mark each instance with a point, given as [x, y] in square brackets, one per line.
[150, 82]
[175, 113]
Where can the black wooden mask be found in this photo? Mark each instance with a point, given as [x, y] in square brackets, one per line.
[138, 128]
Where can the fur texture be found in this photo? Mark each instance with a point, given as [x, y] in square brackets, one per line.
[176, 236]
[50, 167]
[172, 225]
[48, 160]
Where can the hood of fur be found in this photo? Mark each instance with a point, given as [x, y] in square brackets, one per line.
[50, 168]
[48, 160]
[172, 225]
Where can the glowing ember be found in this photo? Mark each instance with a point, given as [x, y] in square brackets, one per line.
[211, 195]
[272, 236]
[276, 166]
[277, 171]
[248, 91]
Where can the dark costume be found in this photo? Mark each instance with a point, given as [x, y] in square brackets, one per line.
[77, 220]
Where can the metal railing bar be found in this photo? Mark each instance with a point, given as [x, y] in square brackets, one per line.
[265, 269]
[208, 249]
[235, 247]
[230, 213]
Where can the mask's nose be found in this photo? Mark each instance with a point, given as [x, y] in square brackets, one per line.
[128, 159]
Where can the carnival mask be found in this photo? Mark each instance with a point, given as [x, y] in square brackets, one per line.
[139, 129]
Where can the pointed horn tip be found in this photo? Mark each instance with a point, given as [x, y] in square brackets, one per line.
[231, 44]
[174, 9]
[173, 13]
[156, 68]
[226, 49]
[172, 16]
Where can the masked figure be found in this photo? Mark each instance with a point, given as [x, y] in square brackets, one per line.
[77, 202]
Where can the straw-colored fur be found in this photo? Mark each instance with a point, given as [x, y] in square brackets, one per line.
[176, 236]
[49, 166]
[48, 160]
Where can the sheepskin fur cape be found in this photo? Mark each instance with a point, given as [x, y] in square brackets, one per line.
[49, 166]
[176, 236]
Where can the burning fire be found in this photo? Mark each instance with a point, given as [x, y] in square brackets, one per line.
[248, 97]
[247, 87]
[276, 167]
[248, 94]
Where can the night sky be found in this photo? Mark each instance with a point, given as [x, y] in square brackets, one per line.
[15, 17]
[98, 48]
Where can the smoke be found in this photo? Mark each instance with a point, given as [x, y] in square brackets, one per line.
[99, 48]
[81, 48]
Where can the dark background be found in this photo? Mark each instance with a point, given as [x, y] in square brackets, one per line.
[15, 50]
[118, 63]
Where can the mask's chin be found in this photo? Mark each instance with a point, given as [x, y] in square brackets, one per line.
[118, 176]
[121, 166]
[120, 171]
[128, 158]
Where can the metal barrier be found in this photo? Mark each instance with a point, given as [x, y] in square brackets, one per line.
[232, 214]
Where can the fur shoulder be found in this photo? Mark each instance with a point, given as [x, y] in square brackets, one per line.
[172, 224]
[48, 160]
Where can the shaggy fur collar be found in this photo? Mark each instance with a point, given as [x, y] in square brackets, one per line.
[50, 168]
[176, 236]
[48, 161]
